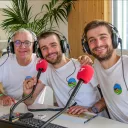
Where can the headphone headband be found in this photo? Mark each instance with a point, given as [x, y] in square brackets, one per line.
[10, 47]
[62, 39]
[115, 37]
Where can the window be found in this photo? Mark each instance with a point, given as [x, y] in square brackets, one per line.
[120, 19]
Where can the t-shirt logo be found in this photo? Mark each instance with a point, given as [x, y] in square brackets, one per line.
[27, 77]
[117, 89]
[72, 82]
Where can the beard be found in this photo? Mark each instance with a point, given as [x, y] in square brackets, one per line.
[104, 57]
[55, 61]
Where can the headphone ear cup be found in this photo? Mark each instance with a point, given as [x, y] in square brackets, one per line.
[39, 54]
[35, 47]
[63, 46]
[114, 40]
[86, 47]
[11, 47]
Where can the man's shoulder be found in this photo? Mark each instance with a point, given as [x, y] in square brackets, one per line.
[75, 61]
[125, 59]
[34, 56]
[96, 62]
[7, 58]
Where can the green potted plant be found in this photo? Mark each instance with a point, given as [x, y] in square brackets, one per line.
[20, 16]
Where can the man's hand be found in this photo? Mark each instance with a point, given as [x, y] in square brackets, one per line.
[100, 106]
[84, 59]
[77, 110]
[6, 100]
[28, 85]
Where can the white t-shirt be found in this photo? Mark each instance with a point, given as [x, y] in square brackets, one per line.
[12, 74]
[114, 89]
[61, 80]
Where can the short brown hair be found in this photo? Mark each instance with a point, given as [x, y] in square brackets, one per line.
[44, 35]
[95, 24]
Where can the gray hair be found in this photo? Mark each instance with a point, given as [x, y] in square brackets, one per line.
[24, 30]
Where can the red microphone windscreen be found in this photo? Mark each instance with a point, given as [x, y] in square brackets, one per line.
[42, 64]
[85, 73]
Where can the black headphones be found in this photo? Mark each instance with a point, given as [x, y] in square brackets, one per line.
[115, 40]
[63, 43]
[10, 47]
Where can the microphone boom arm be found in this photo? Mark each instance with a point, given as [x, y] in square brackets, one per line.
[76, 89]
[26, 97]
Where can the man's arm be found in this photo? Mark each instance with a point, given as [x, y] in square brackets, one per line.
[27, 89]
[4, 99]
[100, 106]
[96, 108]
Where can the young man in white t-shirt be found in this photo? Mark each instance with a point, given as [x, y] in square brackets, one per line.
[61, 76]
[101, 39]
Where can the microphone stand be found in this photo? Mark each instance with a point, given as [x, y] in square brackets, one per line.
[26, 97]
[67, 105]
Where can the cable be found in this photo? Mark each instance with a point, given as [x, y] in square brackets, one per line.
[49, 109]
[123, 67]
[8, 51]
[73, 71]
[5, 60]
[69, 76]
[101, 94]
[70, 91]
[103, 97]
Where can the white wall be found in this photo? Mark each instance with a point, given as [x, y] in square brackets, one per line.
[3, 4]
[36, 7]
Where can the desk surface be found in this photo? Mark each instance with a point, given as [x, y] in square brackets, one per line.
[98, 122]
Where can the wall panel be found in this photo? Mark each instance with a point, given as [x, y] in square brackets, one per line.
[84, 12]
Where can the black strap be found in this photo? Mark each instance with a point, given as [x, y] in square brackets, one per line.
[106, 107]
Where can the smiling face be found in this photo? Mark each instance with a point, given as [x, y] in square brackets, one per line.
[100, 43]
[22, 52]
[51, 50]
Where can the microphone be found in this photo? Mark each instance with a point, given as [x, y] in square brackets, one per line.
[85, 73]
[41, 66]
[84, 76]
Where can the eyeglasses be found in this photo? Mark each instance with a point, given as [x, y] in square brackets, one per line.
[18, 43]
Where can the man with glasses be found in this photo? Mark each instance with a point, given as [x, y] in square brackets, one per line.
[20, 64]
